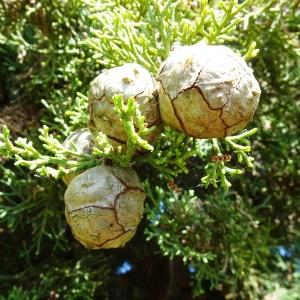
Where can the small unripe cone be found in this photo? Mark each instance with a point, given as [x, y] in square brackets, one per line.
[129, 80]
[81, 142]
[104, 206]
[206, 91]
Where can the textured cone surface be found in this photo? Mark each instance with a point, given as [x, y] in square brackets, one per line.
[81, 142]
[129, 80]
[104, 206]
[206, 91]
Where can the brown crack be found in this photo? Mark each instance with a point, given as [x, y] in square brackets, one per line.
[116, 211]
[224, 123]
[154, 123]
[156, 120]
[140, 93]
[161, 71]
[128, 187]
[98, 98]
[113, 209]
[194, 86]
[150, 99]
[174, 109]
[236, 123]
[178, 117]
[154, 110]
[195, 81]
[89, 206]
[116, 139]
[112, 239]
[201, 92]
[227, 127]
[91, 110]
[109, 98]
[91, 124]
[155, 95]
[155, 99]
[100, 207]
[208, 104]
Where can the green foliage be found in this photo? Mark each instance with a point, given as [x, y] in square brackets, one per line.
[17, 293]
[44, 45]
[169, 157]
[65, 160]
[291, 293]
[27, 205]
[171, 153]
[139, 50]
[79, 279]
[134, 125]
[217, 235]
[147, 36]
[51, 50]
[217, 171]
[277, 146]
[75, 281]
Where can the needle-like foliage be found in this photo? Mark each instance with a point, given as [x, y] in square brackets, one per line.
[225, 212]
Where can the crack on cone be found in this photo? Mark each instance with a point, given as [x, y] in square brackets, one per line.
[112, 239]
[94, 101]
[245, 71]
[126, 185]
[116, 211]
[198, 88]
[178, 117]
[174, 109]
[116, 139]
[89, 244]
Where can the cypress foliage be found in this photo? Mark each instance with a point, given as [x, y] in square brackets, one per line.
[227, 230]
